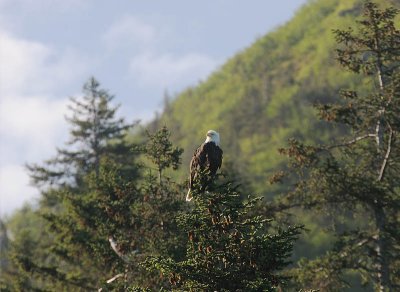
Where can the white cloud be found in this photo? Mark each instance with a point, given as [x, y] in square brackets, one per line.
[31, 67]
[169, 71]
[129, 31]
[14, 189]
[19, 61]
[32, 77]
[30, 127]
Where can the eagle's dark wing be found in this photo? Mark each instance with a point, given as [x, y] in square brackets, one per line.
[213, 157]
[197, 162]
[207, 156]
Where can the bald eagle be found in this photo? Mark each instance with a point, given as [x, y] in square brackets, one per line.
[208, 157]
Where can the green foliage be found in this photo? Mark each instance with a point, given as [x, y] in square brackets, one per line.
[140, 219]
[137, 216]
[63, 254]
[94, 192]
[95, 133]
[72, 253]
[100, 212]
[228, 249]
[357, 178]
[160, 152]
[29, 260]
[263, 95]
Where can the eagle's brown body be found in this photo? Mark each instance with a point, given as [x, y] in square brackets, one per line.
[206, 158]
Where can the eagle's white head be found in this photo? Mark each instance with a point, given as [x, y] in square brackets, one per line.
[213, 136]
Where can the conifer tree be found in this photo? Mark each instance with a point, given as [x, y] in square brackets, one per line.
[358, 177]
[160, 151]
[95, 133]
[153, 214]
[65, 255]
[101, 234]
[227, 249]
[149, 225]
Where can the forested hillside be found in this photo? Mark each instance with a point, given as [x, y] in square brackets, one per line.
[263, 96]
[308, 117]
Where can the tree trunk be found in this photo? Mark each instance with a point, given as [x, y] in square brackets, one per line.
[382, 266]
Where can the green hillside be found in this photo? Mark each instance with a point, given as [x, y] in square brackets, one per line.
[263, 95]
[110, 218]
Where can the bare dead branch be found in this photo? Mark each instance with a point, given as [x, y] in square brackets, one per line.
[355, 140]
[385, 160]
[115, 278]
[112, 280]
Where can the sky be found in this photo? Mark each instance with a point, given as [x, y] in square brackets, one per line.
[138, 50]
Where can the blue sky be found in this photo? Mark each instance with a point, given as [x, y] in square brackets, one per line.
[136, 49]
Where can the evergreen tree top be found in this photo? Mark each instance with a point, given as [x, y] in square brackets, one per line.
[95, 132]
